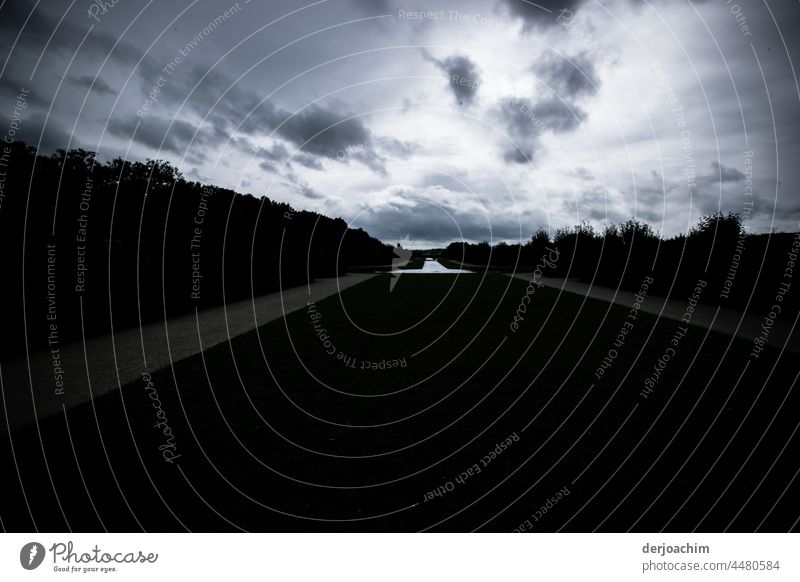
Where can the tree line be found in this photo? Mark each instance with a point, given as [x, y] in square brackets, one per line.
[741, 269]
[130, 242]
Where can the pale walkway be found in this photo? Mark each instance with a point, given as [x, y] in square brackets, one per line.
[118, 360]
[729, 321]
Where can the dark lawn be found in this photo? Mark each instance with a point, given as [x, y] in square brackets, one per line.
[272, 429]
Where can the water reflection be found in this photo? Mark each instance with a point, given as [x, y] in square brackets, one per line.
[431, 267]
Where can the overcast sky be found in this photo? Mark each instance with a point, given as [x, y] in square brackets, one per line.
[484, 120]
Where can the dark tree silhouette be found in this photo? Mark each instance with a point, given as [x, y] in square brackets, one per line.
[742, 270]
[135, 241]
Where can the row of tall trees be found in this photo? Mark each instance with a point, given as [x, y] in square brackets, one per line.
[740, 268]
[136, 241]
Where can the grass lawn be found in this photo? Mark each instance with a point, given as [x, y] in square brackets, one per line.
[412, 391]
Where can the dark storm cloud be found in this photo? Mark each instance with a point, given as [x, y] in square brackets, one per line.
[324, 132]
[725, 174]
[228, 107]
[568, 78]
[13, 86]
[558, 115]
[539, 12]
[12, 18]
[157, 133]
[306, 160]
[49, 138]
[277, 155]
[373, 7]
[523, 126]
[97, 86]
[35, 28]
[527, 120]
[518, 115]
[462, 76]
[333, 135]
[271, 157]
[224, 104]
[522, 153]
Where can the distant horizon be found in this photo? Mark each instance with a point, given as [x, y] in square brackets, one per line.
[438, 244]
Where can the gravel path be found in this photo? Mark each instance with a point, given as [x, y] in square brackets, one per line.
[114, 360]
[728, 321]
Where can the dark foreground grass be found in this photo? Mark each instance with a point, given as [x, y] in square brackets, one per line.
[349, 415]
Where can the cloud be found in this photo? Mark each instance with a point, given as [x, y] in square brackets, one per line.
[38, 29]
[526, 121]
[582, 173]
[157, 133]
[436, 223]
[276, 155]
[13, 87]
[408, 123]
[272, 157]
[194, 174]
[397, 148]
[597, 203]
[324, 132]
[32, 129]
[98, 85]
[374, 7]
[319, 131]
[462, 76]
[299, 186]
[638, 3]
[725, 174]
[516, 115]
[332, 134]
[539, 12]
[568, 77]
[558, 115]
[666, 203]
[447, 180]
[225, 105]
